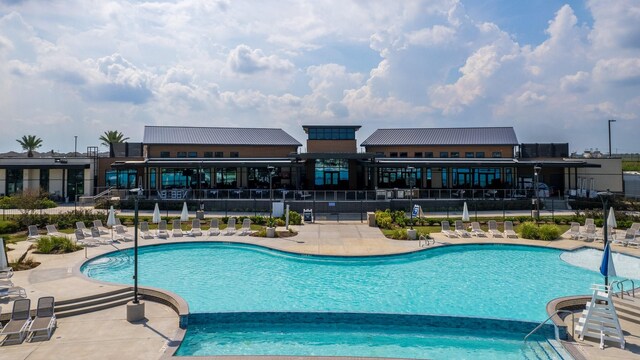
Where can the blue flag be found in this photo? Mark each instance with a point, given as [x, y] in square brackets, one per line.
[606, 267]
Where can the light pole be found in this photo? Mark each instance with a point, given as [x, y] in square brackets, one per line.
[135, 310]
[610, 121]
[410, 173]
[536, 171]
[270, 169]
[604, 197]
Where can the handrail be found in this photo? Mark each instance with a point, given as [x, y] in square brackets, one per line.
[424, 241]
[620, 285]
[556, 331]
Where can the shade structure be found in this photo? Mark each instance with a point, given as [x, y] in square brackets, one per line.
[465, 212]
[184, 216]
[156, 214]
[111, 219]
[4, 263]
[606, 267]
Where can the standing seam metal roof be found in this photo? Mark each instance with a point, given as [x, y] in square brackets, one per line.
[443, 136]
[217, 136]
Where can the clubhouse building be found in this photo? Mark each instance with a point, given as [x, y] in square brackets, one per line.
[178, 162]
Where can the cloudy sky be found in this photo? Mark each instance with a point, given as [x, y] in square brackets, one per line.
[554, 70]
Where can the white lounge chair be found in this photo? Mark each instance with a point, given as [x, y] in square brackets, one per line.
[122, 234]
[214, 228]
[6, 273]
[246, 227]
[195, 228]
[81, 226]
[98, 225]
[163, 231]
[591, 233]
[19, 323]
[8, 290]
[145, 233]
[177, 228]
[493, 229]
[574, 231]
[589, 221]
[508, 229]
[460, 230]
[52, 231]
[446, 229]
[231, 226]
[476, 230]
[45, 320]
[85, 240]
[97, 237]
[34, 234]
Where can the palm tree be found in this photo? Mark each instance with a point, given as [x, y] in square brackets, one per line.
[30, 143]
[112, 137]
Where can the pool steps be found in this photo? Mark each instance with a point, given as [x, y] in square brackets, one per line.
[87, 304]
[628, 309]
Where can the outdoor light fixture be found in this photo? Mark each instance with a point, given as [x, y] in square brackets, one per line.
[135, 310]
[536, 172]
[410, 170]
[610, 121]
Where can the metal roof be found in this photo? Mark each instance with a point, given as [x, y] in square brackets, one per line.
[217, 136]
[443, 136]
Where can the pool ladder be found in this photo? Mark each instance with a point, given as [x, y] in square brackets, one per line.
[555, 327]
[424, 241]
[620, 285]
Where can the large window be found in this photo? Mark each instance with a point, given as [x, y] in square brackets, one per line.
[44, 180]
[121, 179]
[175, 178]
[332, 173]
[165, 154]
[226, 178]
[332, 134]
[258, 178]
[14, 181]
[399, 177]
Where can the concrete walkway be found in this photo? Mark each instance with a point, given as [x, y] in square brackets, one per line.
[107, 335]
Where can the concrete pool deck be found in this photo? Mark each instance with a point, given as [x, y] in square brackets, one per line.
[106, 334]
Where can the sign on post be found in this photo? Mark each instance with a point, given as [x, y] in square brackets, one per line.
[417, 211]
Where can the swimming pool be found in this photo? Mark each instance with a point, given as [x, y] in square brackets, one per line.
[495, 281]
[485, 281]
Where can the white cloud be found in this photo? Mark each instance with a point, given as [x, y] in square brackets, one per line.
[379, 64]
[244, 60]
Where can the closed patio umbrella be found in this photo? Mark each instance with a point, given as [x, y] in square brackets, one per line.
[184, 216]
[606, 266]
[611, 223]
[3, 256]
[465, 212]
[111, 219]
[156, 214]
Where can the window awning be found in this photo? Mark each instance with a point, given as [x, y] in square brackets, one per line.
[205, 162]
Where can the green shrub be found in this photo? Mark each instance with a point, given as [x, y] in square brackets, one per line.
[294, 218]
[8, 227]
[529, 230]
[280, 222]
[399, 234]
[549, 232]
[258, 220]
[383, 219]
[56, 244]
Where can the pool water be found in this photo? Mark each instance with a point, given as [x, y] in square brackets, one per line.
[483, 281]
[496, 281]
[412, 342]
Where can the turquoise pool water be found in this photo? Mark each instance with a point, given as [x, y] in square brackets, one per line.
[494, 281]
[341, 339]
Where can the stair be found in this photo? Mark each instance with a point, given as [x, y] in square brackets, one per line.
[93, 303]
[628, 309]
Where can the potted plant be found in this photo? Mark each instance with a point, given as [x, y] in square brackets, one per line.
[271, 227]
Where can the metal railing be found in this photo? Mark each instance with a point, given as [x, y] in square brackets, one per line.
[555, 327]
[620, 285]
[337, 195]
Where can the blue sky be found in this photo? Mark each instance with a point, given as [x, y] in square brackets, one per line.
[556, 71]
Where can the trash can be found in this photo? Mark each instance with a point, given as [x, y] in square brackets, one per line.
[307, 215]
[200, 215]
